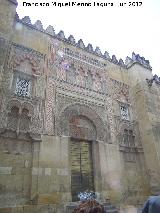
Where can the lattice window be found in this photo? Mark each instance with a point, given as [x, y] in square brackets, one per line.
[124, 112]
[23, 87]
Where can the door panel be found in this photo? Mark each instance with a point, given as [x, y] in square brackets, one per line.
[81, 167]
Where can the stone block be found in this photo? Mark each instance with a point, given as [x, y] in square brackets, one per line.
[5, 210]
[30, 209]
[63, 172]
[47, 171]
[5, 170]
[37, 171]
[53, 198]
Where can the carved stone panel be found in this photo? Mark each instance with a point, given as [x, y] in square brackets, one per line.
[120, 91]
[22, 59]
[50, 107]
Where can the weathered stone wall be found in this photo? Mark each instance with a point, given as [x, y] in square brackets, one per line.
[146, 107]
[15, 172]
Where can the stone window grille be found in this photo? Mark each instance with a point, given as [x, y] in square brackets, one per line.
[23, 87]
[124, 112]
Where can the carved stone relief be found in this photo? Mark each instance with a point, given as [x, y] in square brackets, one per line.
[73, 73]
[50, 107]
[131, 129]
[76, 72]
[22, 79]
[120, 91]
[109, 111]
[19, 56]
[75, 110]
[81, 127]
[21, 116]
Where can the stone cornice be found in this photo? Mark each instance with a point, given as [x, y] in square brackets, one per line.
[70, 40]
[136, 58]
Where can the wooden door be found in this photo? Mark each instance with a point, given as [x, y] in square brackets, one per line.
[81, 167]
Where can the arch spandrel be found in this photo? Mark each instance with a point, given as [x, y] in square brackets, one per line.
[85, 112]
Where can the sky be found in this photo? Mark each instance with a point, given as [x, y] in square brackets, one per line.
[119, 30]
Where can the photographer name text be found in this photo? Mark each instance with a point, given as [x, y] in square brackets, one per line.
[81, 4]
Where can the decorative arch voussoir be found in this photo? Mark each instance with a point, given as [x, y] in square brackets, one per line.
[17, 60]
[80, 110]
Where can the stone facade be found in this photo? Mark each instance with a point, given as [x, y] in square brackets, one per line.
[55, 92]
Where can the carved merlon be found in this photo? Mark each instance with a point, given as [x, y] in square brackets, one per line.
[155, 79]
[114, 59]
[61, 35]
[106, 55]
[98, 51]
[50, 30]
[26, 20]
[121, 62]
[38, 25]
[89, 48]
[139, 59]
[81, 44]
[71, 39]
